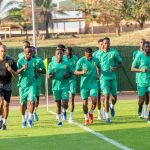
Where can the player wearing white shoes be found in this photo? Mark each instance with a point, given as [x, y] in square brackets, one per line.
[40, 68]
[110, 61]
[87, 68]
[99, 105]
[72, 60]
[60, 72]
[27, 91]
[143, 113]
[141, 64]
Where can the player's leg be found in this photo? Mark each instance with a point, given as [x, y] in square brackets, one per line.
[1, 109]
[71, 100]
[71, 106]
[36, 118]
[99, 105]
[58, 112]
[84, 96]
[64, 102]
[113, 87]
[94, 95]
[7, 95]
[57, 98]
[141, 93]
[145, 111]
[31, 100]
[38, 91]
[93, 106]
[148, 96]
[105, 85]
[23, 107]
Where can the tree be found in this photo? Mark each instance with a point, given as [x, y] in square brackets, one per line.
[139, 11]
[47, 7]
[6, 6]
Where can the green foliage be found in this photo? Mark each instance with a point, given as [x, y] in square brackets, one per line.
[138, 10]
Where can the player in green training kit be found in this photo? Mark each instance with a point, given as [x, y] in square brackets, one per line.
[59, 47]
[62, 48]
[60, 72]
[87, 68]
[144, 113]
[27, 91]
[141, 64]
[72, 60]
[100, 46]
[25, 44]
[110, 61]
[40, 68]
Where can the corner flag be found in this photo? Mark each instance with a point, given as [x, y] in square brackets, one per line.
[46, 64]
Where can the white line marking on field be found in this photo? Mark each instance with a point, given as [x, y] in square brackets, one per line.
[99, 135]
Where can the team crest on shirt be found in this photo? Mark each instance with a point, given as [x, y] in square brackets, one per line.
[111, 56]
[94, 63]
[65, 66]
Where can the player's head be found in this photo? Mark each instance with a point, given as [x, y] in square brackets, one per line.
[60, 47]
[142, 42]
[100, 44]
[3, 49]
[1, 43]
[147, 47]
[28, 52]
[88, 53]
[106, 43]
[33, 51]
[25, 44]
[59, 55]
[68, 51]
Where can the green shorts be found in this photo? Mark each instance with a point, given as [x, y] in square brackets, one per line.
[142, 90]
[73, 85]
[109, 87]
[90, 91]
[38, 90]
[27, 94]
[61, 95]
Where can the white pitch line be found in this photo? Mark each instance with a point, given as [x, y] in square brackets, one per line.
[99, 135]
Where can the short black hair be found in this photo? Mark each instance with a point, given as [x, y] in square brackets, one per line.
[69, 48]
[88, 50]
[106, 38]
[28, 47]
[26, 42]
[100, 40]
[61, 46]
[147, 43]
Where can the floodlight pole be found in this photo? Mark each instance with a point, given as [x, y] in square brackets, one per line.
[33, 24]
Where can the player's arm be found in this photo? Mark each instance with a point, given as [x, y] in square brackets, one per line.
[118, 59]
[78, 69]
[41, 69]
[9, 68]
[51, 74]
[136, 64]
[20, 67]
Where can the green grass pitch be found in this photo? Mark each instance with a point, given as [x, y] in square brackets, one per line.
[126, 128]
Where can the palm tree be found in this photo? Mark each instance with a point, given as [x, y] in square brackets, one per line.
[46, 9]
[7, 5]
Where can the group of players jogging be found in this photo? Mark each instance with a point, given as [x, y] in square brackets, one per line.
[98, 81]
